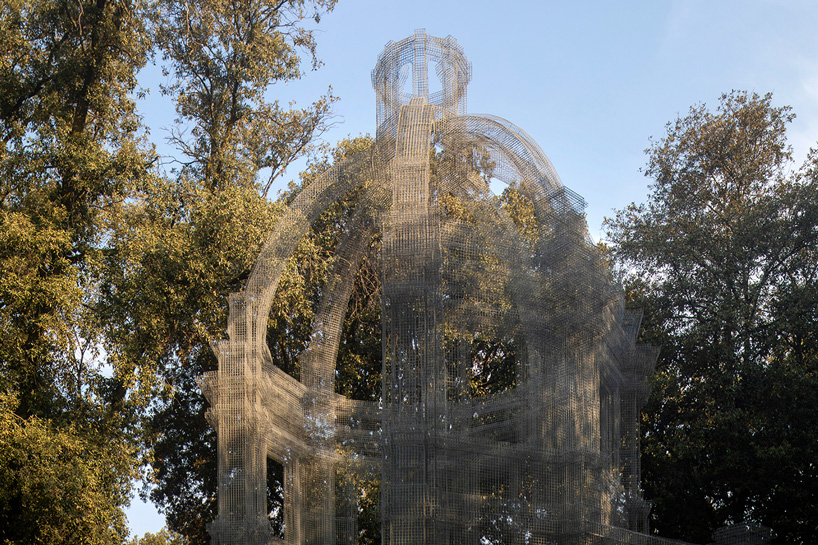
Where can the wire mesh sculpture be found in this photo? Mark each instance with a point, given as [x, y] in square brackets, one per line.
[549, 456]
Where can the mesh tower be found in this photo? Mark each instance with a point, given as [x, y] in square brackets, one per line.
[511, 379]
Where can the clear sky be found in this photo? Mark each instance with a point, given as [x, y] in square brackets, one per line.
[590, 81]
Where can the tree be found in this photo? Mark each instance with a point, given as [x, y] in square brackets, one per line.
[57, 483]
[69, 149]
[188, 239]
[170, 298]
[224, 57]
[723, 260]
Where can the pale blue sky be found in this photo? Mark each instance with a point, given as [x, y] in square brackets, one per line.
[589, 81]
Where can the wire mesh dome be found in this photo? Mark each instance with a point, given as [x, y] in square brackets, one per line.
[510, 378]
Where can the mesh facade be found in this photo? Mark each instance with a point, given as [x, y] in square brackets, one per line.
[549, 456]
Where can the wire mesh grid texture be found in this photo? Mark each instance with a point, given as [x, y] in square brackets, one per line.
[546, 453]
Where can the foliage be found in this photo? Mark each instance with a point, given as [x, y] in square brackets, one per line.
[723, 259]
[182, 249]
[162, 537]
[60, 484]
[70, 150]
[185, 240]
[181, 263]
[224, 56]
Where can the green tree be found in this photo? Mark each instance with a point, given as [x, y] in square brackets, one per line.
[723, 260]
[224, 56]
[69, 150]
[167, 292]
[188, 239]
[57, 483]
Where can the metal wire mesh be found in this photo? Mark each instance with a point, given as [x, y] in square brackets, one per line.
[546, 453]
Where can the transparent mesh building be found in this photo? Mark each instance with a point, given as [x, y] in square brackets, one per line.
[550, 455]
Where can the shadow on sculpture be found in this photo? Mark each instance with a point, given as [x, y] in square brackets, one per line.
[550, 456]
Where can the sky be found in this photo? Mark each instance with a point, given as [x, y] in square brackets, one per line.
[590, 81]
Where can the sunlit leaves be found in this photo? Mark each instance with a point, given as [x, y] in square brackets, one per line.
[60, 484]
[224, 56]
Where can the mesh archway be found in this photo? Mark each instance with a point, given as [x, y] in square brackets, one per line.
[548, 452]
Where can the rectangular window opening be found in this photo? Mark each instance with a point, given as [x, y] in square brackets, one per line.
[275, 496]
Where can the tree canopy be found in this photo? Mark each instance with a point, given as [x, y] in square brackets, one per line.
[724, 259]
[69, 150]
